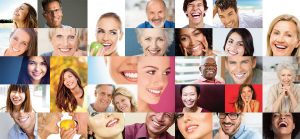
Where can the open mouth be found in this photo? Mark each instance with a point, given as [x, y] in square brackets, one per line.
[155, 92]
[16, 14]
[112, 122]
[282, 124]
[23, 120]
[65, 50]
[55, 19]
[130, 75]
[190, 128]
[229, 24]
[232, 53]
[106, 46]
[105, 102]
[280, 47]
[239, 75]
[210, 71]
[189, 102]
[156, 124]
[194, 48]
[123, 108]
[36, 73]
[153, 52]
[228, 126]
[15, 49]
[17, 100]
[70, 84]
[196, 15]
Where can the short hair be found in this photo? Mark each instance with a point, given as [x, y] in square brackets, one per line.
[30, 19]
[32, 45]
[205, 58]
[284, 17]
[169, 33]
[127, 93]
[26, 105]
[159, 0]
[286, 65]
[252, 58]
[225, 4]
[45, 2]
[111, 15]
[246, 38]
[186, 2]
[99, 85]
[197, 87]
[77, 31]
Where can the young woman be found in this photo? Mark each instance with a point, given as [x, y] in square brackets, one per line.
[35, 70]
[246, 100]
[25, 16]
[124, 101]
[47, 124]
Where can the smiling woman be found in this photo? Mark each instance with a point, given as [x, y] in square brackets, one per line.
[123, 100]
[47, 124]
[246, 100]
[25, 16]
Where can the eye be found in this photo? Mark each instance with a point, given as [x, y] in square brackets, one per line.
[44, 63]
[59, 36]
[94, 113]
[71, 37]
[289, 35]
[152, 72]
[117, 103]
[245, 62]
[15, 38]
[148, 39]
[232, 63]
[167, 73]
[240, 44]
[123, 100]
[100, 31]
[160, 39]
[196, 34]
[113, 33]
[183, 38]
[180, 115]
[230, 41]
[31, 63]
[24, 43]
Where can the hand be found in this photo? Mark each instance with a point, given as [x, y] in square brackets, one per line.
[187, 53]
[221, 135]
[289, 91]
[285, 90]
[215, 10]
[67, 134]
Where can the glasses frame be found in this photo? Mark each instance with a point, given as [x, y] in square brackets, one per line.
[227, 114]
[52, 11]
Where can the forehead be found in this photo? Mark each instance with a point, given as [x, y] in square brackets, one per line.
[24, 6]
[286, 26]
[189, 88]
[196, 2]
[155, 5]
[286, 71]
[187, 31]
[121, 97]
[161, 63]
[210, 61]
[106, 88]
[235, 36]
[109, 23]
[68, 73]
[226, 11]
[154, 32]
[36, 58]
[246, 88]
[64, 31]
[22, 35]
[239, 58]
[52, 5]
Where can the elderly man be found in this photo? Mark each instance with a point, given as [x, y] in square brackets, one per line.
[52, 12]
[157, 13]
[103, 94]
[25, 126]
[208, 69]
[156, 126]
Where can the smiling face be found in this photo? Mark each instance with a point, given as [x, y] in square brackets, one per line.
[156, 13]
[229, 17]
[109, 33]
[122, 70]
[20, 13]
[230, 127]
[17, 97]
[81, 121]
[192, 40]
[195, 125]
[54, 18]
[282, 124]
[19, 42]
[158, 123]
[37, 68]
[189, 96]
[195, 11]
[64, 42]
[283, 38]
[209, 69]
[103, 96]
[70, 81]
[123, 103]
[24, 120]
[153, 78]
[286, 77]
[247, 93]
[52, 127]
[234, 45]
[154, 42]
[240, 68]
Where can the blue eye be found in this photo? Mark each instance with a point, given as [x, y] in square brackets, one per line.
[71, 37]
[100, 31]
[59, 36]
[113, 33]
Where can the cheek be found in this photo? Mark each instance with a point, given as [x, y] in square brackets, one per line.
[181, 125]
[44, 69]
[241, 50]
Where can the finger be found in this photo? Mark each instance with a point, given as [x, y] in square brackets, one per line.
[217, 52]
[69, 133]
[91, 53]
[185, 52]
[98, 52]
[102, 52]
[62, 131]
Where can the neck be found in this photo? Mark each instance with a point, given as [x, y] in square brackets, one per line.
[143, 106]
[77, 91]
[212, 79]
[29, 131]
[114, 53]
[153, 136]
[35, 81]
[289, 136]
[19, 25]
[119, 136]
[97, 107]
[60, 26]
[196, 25]
[43, 134]
[192, 109]
[207, 136]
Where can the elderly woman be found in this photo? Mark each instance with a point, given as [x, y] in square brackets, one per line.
[123, 100]
[284, 96]
[154, 41]
[65, 42]
[47, 124]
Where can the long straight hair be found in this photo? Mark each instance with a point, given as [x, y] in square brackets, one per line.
[239, 101]
[26, 105]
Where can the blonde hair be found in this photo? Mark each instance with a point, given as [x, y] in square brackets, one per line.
[284, 17]
[77, 31]
[44, 119]
[124, 92]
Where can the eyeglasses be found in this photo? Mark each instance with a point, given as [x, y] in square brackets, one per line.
[210, 65]
[52, 11]
[232, 116]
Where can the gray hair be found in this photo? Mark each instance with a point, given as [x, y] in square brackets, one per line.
[204, 60]
[99, 85]
[78, 33]
[286, 65]
[153, 0]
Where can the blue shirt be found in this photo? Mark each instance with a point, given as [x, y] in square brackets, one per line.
[246, 20]
[205, 26]
[243, 133]
[61, 26]
[17, 133]
[168, 24]
[47, 54]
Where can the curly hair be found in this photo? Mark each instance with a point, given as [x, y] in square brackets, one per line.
[31, 18]
[286, 65]
[225, 4]
[186, 2]
[127, 93]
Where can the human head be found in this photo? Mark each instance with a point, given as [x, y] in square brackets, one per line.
[240, 68]
[52, 12]
[65, 100]
[27, 124]
[123, 98]
[191, 7]
[271, 129]
[100, 124]
[23, 42]
[293, 27]
[47, 122]
[245, 91]
[39, 64]
[286, 72]
[164, 120]
[109, 32]
[103, 94]
[208, 68]
[81, 119]
[21, 94]
[155, 41]
[239, 42]
[230, 122]
[190, 93]
[156, 11]
[228, 13]
[26, 15]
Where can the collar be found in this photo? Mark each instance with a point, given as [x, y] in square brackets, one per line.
[46, 26]
[20, 131]
[143, 133]
[202, 79]
[239, 132]
[242, 23]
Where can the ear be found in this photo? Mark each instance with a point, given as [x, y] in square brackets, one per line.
[271, 127]
[237, 11]
[226, 64]
[44, 15]
[242, 116]
[121, 36]
[298, 43]
[293, 125]
[200, 69]
[254, 63]
[95, 93]
[198, 96]
[105, 60]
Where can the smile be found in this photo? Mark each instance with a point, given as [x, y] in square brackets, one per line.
[123, 108]
[112, 122]
[232, 53]
[15, 49]
[106, 46]
[191, 128]
[17, 14]
[22, 120]
[230, 23]
[227, 126]
[194, 48]
[55, 19]
[210, 71]
[65, 50]
[239, 75]
[189, 102]
[155, 52]
[155, 92]
[36, 74]
[196, 15]
[130, 75]
[280, 46]
[282, 124]
[104, 102]
[156, 124]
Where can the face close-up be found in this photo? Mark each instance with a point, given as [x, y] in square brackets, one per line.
[234, 45]
[53, 18]
[195, 125]
[17, 97]
[189, 96]
[247, 93]
[284, 38]
[64, 42]
[109, 33]
[70, 81]
[286, 77]
[123, 103]
[195, 11]
[53, 127]
[153, 78]
[240, 68]
[158, 123]
[106, 125]
[24, 120]
[103, 95]
[122, 70]
[20, 13]
[154, 42]
[81, 120]
[209, 69]
[192, 40]
[229, 126]
[37, 68]
[156, 13]
[282, 124]
[229, 17]
[19, 42]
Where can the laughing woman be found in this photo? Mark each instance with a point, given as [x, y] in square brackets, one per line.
[246, 100]
[25, 16]
[123, 100]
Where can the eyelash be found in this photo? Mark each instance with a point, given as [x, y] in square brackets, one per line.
[180, 115]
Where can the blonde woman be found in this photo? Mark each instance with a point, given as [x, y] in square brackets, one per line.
[124, 101]
[47, 124]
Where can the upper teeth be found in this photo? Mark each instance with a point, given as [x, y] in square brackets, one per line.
[228, 125]
[210, 71]
[23, 119]
[17, 14]
[156, 124]
[192, 127]
[196, 14]
[229, 23]
[15, 49]
[195, 47]
[123, 108]
[106, 44]
[131, 75]
[154, 91]
[239, 75]
[16, 99]
[103, 101]
[282, 123]
[65, 49]
[279, 46]
[153, 51]
[232, 52]
[112, 122]
[70, 84]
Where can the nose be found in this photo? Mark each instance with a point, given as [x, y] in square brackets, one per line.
[65, 43]
[159, 116]
[17, 94]
[37, 67]
[227, 119]
[282, 116]
[105, 37]
[193, 41]
[186, 117]
[158, 80]
[239, 68]
[280, 38]
[131, 60]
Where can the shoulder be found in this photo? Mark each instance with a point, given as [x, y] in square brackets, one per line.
[3, 109]
[133, 129]
[204, 110]
[207, 26]
[215, 131]
[169, 24]
[185, 26]
[252, 20]
[110, 109]
[252, 134]
[47, 54]
[66, 26]
[13, 132]
[143, 25]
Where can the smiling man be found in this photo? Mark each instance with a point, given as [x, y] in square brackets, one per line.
[208, 69]
[241, 70]
[233, 128]
[156, 127]
[156, 11]
[52, 12]
[103, 94]
[25, 126]
[230, 17]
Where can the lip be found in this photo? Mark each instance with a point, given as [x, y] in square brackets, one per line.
[16, 100]
[65, 50]
[156, 125]
[130, 75]
[227, 126]
[156, 92]
[232, 53]
[229, 24]
[36, 74]
[196, 17]
[112, 122]
[194, 48]
[106, 45]
[191, 128]
[239, 75]
[280, 47]
[210, 71]
[153, 52]
[15, 50]
[23, 120]
[284, 123]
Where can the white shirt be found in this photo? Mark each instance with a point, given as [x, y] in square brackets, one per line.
[246, 20]
[2, 50]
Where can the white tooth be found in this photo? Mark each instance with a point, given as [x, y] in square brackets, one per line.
[106, 44]
[239, 75]
[15, 50]
[23, 119]
[131, 75]
[192, 127]
[280, 46]
[112, 122]
[232, 52]
[65, 50]
[227, 125]
[156, 124]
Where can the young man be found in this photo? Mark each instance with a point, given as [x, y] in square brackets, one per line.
[25, 126]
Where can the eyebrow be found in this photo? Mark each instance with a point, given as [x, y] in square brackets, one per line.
[284, 31]
[151, 67]
[230, 12]
[234, 40]
[186, 34]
